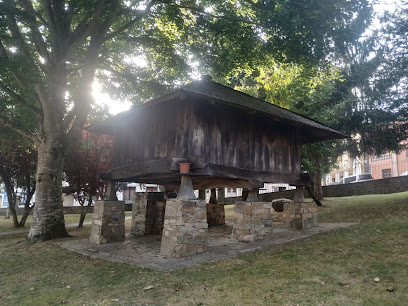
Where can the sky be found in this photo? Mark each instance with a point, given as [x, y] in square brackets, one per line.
[116, 107]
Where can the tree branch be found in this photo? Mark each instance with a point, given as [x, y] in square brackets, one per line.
[11, 126]
[84, 28]
[19, 99]
[202, 12]
[15, 32]
[131, 22]
[39, 42]
[51, 21]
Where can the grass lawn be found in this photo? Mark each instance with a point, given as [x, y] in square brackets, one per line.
[366, 264]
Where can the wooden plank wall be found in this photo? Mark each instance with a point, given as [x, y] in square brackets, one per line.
[214, 132]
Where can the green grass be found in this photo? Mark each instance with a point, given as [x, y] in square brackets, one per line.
[334, 268]
[7, 224]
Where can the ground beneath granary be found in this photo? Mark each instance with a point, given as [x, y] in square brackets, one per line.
[144, 251]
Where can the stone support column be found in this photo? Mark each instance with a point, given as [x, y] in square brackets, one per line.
[252, 221]
[108, 223]
[185, 228]
[139, 210]
[147, 213]
[215, 211]
[297, 214]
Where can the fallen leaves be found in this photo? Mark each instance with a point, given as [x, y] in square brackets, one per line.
[148, 287]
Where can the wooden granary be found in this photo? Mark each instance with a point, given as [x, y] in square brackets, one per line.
[231, 139]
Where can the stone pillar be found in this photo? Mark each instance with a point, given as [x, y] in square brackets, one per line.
[147, 213]
[215, 214]
[252, 221]
[215, 211]
[297, 214]
[108, 223]
[139, 210]
[185, 228]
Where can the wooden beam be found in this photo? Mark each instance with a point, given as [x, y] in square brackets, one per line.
[245, 174]
[139, 169]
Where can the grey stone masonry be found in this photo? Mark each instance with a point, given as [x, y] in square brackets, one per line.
[108, 222]
[215, 214]
[147, 213]
[185, 228]
[252, 221]
[299, 215]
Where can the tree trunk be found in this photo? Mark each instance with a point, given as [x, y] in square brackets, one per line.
[12, 210]
[11, 195]
[48, 216]
[27, 208]
[317, 178]
[84, 212]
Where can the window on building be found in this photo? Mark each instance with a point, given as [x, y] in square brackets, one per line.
[234, 192]
[382, 157]
[386, 173]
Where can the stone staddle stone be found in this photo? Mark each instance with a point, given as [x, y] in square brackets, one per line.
[108, 222]
[185, 228]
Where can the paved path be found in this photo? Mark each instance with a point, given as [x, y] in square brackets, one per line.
[144, 251]
[26, 230]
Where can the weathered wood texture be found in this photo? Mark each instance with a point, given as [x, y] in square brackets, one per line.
[211, 135]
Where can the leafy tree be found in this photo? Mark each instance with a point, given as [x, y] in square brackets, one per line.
[308, 90]
[82, 166]
[17, 171]
[50, 52]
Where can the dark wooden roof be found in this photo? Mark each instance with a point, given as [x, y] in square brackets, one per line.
[312, 131]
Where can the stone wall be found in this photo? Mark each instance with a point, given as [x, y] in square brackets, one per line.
[148, 213]
[108, 222]
[383, 186]
[185, 228]
[215, 214]
[252, 221]
[299, 215]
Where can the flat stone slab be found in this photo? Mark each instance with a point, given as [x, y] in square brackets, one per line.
[144, 251]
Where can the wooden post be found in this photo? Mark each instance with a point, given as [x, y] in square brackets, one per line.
[221, 195]
[201, 194]
[299, 196]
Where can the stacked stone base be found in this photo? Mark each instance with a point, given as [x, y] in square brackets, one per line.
[108, 223]
[147, 213]
[215, 214]
[185, 228]
[252, 221]
[299, 215]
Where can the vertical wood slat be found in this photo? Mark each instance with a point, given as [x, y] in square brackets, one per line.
[215, 133]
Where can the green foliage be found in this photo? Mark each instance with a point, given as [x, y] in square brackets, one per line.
[304, 89]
